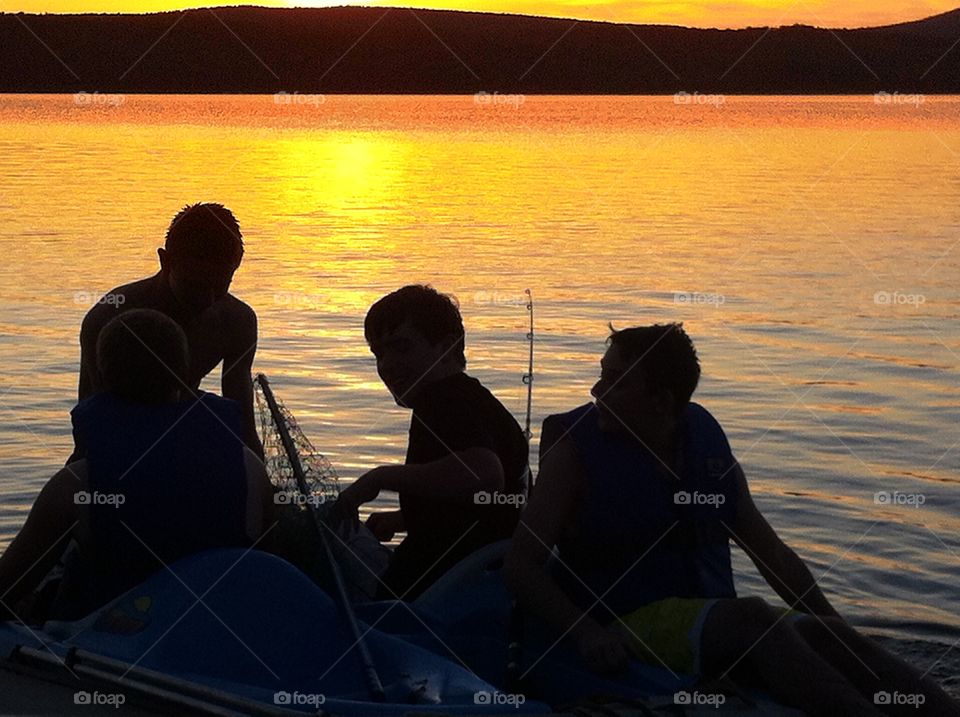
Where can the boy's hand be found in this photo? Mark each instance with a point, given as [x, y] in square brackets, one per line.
[604, 649]
[385, 525]
[363, 490]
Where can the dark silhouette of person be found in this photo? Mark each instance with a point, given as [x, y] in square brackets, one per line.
[203, 249]
[641, 494]
[465, 473]
[164, 475]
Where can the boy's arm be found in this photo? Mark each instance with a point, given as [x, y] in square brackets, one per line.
[553, 507]
[236, 381]
[43, 538]
[459, 476]
[471, 467]
[89, 381]
[780, 566]
[94, 320]
[261, 508]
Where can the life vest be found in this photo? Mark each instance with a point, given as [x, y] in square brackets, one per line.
[642, 535]
[165, 481]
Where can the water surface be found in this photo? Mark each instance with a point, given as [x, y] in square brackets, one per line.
[809, 245]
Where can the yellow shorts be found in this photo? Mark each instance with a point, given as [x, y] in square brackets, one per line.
[668, 632]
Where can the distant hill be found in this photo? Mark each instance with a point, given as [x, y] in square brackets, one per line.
[376, 50]
[944, 25]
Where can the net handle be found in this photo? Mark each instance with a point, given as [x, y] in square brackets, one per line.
[374, 686]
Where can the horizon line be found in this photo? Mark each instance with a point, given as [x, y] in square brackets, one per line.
[190, 8]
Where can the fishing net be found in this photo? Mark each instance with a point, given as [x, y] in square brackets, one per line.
[296, 536]
[322, 483]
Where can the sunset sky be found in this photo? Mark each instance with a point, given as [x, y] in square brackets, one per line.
[697, 13]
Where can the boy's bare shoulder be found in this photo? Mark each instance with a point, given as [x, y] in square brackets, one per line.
[135, 295]
[235, 323]
[238, 311]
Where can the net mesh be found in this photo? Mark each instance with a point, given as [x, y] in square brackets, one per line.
[322, 483]
[295, 535]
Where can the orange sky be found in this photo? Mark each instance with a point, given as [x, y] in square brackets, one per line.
[697, 13]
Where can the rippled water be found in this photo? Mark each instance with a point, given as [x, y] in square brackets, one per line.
[809, 245]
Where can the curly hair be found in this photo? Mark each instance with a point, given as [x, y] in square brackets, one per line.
[665, 355]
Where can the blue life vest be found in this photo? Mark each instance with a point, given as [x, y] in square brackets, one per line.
[641, 535]
[165, 481]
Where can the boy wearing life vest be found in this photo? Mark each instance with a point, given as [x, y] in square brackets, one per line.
[463, 480]
[641, 495]
[166, 474]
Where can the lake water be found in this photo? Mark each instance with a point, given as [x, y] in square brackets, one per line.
[811, 246]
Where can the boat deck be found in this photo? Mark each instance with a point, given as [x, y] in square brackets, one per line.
[22, 694]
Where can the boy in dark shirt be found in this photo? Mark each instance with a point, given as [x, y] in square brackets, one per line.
[464, 478]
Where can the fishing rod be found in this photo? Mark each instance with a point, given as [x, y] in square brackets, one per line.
[374, 686]
[515, 628]
[528, 376]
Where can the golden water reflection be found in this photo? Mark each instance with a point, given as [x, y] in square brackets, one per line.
[768, 225]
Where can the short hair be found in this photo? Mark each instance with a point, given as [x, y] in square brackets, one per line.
[665, 355]
[142, 356]
[433, 314]
[205, 231]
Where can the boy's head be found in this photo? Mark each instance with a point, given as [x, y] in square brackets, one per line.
[203, 249]
[142, 357]
[416, 334]
[647, 377]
